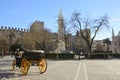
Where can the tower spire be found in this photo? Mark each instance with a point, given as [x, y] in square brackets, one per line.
[113, 32]
[60, 15]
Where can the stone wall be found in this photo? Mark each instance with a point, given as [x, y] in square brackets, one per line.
[15, 33]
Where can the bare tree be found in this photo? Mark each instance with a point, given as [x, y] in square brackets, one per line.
[27, 40]
[3, 44]
[95, 25]
[67, 36]
[38, 40]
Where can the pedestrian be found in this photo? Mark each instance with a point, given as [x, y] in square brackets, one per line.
[2, 54]
[18, 59]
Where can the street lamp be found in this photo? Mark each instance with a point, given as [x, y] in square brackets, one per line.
[104, 46]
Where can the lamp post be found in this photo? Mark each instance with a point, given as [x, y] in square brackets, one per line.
[104, 48]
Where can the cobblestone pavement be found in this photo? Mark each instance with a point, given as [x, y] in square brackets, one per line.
[64, 70]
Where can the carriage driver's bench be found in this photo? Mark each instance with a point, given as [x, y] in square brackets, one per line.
[24, 60]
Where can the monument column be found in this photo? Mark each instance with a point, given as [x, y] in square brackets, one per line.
[61, 40]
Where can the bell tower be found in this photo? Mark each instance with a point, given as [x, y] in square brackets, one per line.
[61, 41]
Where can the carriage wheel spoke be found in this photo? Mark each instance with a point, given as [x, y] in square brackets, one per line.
[42, 65]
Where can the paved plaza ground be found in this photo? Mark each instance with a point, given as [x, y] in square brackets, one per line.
[64, 70]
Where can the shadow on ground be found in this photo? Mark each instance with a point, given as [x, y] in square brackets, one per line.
[8, 74]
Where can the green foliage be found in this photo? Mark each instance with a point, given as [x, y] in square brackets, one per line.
[51, 56]
[107, 41]
[66, 56]
[115, 55]
[59, 56]
[97, 56]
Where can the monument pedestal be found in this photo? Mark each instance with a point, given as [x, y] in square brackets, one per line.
[60, 47]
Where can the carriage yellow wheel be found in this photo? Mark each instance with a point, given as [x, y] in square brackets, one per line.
[25, 66]
[42, 65]
[13, 65]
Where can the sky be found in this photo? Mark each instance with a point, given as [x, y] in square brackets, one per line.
[21, 13]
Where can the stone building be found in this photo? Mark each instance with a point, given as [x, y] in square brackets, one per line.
[37, 26]
[79, 42]
[12, 35]
[115, 42]
[97, 46]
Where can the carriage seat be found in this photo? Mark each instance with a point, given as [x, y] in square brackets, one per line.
[39, 51]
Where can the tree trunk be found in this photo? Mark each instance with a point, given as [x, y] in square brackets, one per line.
[90, 51]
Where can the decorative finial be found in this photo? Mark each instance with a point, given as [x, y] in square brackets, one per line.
[60, 15]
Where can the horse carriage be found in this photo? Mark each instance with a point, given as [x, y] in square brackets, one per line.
[24, 60]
